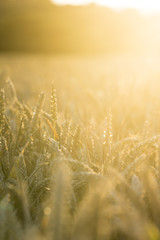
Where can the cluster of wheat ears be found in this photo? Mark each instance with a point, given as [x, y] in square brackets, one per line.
[59, 181]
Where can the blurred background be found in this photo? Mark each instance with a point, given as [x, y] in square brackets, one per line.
[42, 26]
[95, 52]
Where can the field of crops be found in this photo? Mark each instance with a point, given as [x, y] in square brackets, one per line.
[79, 148]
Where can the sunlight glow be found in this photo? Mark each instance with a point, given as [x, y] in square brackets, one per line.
[149, 6]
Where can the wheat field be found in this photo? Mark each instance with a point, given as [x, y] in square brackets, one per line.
[79, 148]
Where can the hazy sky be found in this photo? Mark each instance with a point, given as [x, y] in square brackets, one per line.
[147, 5]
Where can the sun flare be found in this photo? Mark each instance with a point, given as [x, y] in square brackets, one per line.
[149, 6]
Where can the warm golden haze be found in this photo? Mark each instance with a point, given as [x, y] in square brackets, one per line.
[80, 161]
[52, 29]
[79, 121]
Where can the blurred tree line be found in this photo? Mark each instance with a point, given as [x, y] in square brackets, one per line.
[40, 26]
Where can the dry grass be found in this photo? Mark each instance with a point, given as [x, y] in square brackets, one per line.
[83, 162]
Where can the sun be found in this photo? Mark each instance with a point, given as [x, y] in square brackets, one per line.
[146, 5]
